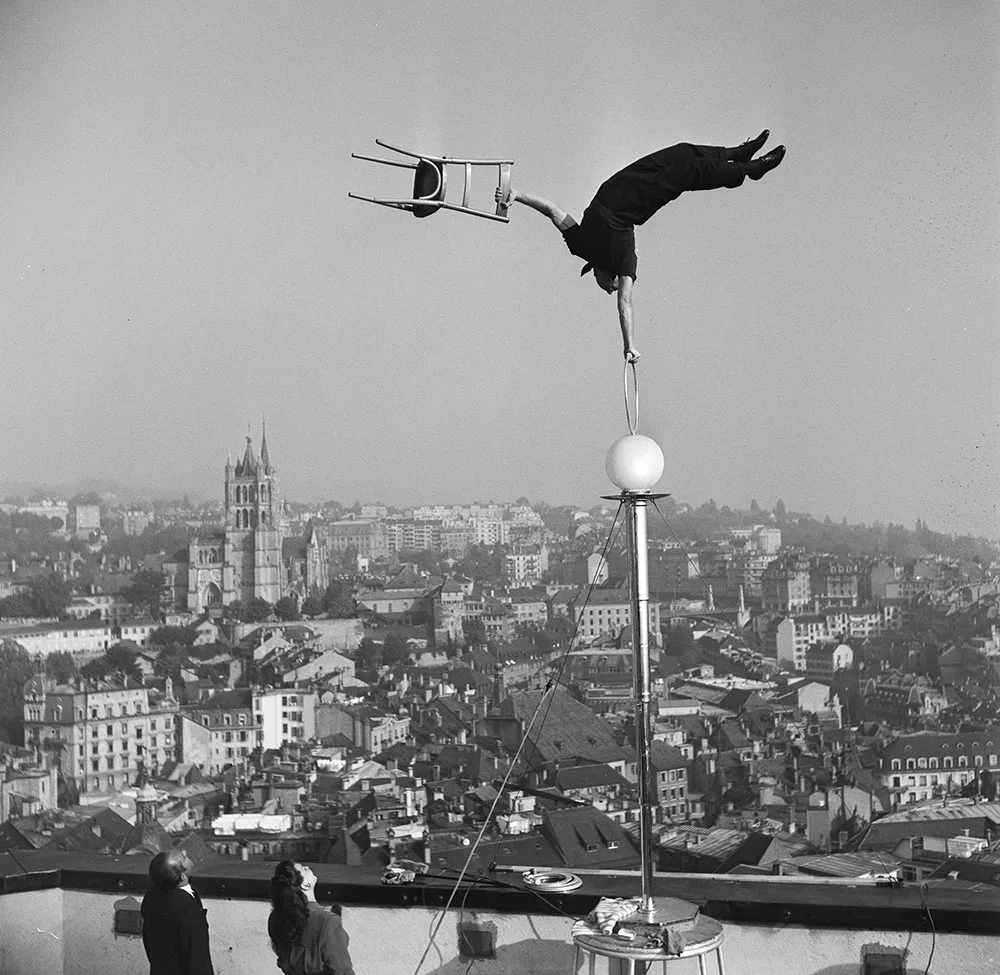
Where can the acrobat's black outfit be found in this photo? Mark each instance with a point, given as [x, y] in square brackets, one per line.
[606, 236]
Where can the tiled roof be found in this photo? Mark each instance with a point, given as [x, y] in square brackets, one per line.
[664, 757]
[847, 864]
[717, 843]
[528, 850]
[731, 736]
[604, 597]
[563, 727]
[926, 744]
[956, 809]
[588, 776]
[585, 837]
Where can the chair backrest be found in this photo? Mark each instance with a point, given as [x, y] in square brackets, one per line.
[428, 184]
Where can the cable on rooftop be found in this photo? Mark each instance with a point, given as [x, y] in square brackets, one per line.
[551, 685]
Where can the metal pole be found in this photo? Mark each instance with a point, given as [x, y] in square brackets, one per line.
[639, 573]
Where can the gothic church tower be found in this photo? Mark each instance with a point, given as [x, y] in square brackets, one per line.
[254, 528]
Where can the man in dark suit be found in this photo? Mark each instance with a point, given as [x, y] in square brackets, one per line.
[174, 926]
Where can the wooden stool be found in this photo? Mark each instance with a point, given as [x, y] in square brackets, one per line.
[704, 940]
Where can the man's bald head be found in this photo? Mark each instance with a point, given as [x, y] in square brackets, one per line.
[169, 870]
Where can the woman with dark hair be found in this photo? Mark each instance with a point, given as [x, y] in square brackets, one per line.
[308, 939]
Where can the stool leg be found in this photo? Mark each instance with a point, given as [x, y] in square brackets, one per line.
[701, 965]
[718, 958]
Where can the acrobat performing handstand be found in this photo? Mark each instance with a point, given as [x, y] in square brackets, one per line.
[605, 238]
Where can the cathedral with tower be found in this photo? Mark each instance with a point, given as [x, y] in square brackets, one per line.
[252, 556]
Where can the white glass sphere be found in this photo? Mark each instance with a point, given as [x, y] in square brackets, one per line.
[634, 463]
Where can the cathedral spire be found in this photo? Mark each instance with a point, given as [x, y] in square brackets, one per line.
[249, 463]
[265, 458]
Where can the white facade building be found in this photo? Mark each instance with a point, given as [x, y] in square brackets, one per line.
[284, 714]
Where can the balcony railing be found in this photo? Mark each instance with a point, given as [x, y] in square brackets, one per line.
[75, 914]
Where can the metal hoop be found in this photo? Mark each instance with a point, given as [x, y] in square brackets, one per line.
[632, 423]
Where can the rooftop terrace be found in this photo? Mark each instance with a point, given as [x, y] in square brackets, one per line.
[76, 914]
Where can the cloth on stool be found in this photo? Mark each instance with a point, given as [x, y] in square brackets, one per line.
[611, 910]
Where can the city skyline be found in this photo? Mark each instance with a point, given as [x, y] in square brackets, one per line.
[183, 256]
[139, 496]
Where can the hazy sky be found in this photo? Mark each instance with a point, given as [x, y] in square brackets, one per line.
[180, 257]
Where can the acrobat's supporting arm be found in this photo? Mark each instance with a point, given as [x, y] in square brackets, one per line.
[625, 317]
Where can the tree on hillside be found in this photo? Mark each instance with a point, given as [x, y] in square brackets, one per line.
[312, 605]
[47, 595]
[170, 661]
[60, 666]
[165, 636]
[18, 606]
[119, 659]
[16, 669]
[145, 589]
[256, 611]
[349, 559]
[680, 643]
[394, 650]
[338, 601]
[287, 609]
[474, 632]
[369, 654]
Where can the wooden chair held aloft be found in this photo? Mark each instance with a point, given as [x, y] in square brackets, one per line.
[430, 183]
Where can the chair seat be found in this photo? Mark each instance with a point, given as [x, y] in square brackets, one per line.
[428, 184]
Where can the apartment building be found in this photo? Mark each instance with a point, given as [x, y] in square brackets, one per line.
[283, 714]
[135, 522]
[107, 608]
[525, 565]
[677, 573]
[748, 571]
[670, 771]
[490, 531]
[919, 766]
[785, 585]
[758, 540]
[365, 536]
[607, 612]
[100, 733]
[411, 535]
[367, 727]
[833, 583]
[84, 639]
[218, 732]
[529, 606]
[789, 638]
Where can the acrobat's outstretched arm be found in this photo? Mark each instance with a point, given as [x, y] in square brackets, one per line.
[560, 218]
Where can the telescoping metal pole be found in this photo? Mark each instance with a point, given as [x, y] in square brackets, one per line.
[639, 572]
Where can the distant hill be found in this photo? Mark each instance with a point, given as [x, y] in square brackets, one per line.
[109, 490]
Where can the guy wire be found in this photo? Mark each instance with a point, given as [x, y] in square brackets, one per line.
[551, 685]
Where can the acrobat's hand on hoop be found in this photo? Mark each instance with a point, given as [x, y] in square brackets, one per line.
[430, 184]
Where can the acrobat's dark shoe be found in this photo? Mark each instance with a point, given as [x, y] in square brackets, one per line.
[749, 149]
[756, 168]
